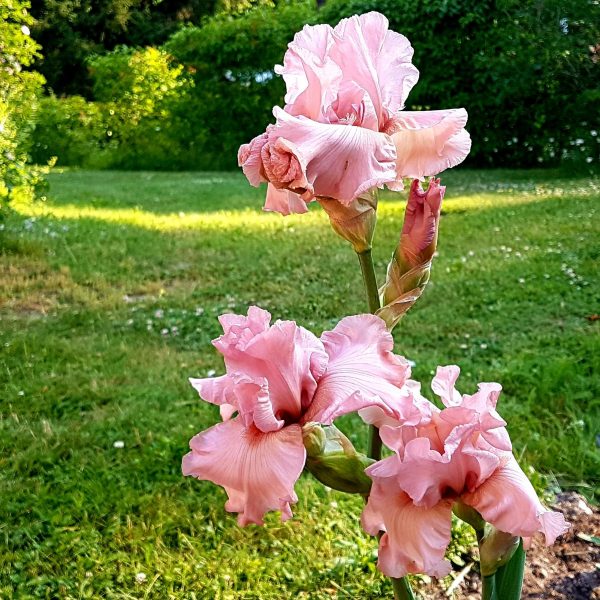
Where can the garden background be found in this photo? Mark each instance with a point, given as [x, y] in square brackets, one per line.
[115, 265]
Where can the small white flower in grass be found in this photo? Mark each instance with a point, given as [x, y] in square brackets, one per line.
[210, 373]
[159, 314]
[88, 574]
[483, 346]
[164, 331]
[199, 311]
[119, 444]
[412, 363]
[140, 577]
[464, 346]
[21, 393]
[589, 159]
[521, 280]
[25, 30]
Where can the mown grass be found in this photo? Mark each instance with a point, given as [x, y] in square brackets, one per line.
[109, 294]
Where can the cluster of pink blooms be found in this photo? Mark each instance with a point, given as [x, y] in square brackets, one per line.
[343, 131]
[280, 377]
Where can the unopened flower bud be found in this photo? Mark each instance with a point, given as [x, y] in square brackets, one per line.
[496, 548]
[409, 270]
[355, 222]
[333, 460]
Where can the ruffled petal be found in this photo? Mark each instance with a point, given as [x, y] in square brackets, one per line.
[362, 370]
[216, 390]
[443, 385]
[377, 60]
[508, 501]
[284, 201]
[340, 161]
[254, 403]
[310, 74]
[258, 470]
[249, 158]
[415, 538]
[240, 330]
[284, 360]
[410, 409]
[429, 142]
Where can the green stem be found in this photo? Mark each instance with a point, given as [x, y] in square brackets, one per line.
[402, 590]
[488, 587]
[368, 272]
[401, 587]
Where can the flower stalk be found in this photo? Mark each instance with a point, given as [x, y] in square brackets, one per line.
[401, 586]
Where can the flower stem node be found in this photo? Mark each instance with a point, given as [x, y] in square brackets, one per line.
[496, 548]
[333, 460]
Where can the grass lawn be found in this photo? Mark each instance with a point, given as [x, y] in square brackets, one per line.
[109, 297]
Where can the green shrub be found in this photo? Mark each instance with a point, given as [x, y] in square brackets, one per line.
[131, 125]
[19, 93]
[73, 130]
[140, 92]
[231, 60]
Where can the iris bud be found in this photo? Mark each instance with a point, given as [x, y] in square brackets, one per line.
[333, 460]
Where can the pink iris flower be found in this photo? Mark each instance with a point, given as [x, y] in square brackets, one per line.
[462, 452]
[343, 130]
[278, 378]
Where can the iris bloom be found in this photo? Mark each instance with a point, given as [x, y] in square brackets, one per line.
[462, 452]
[343, 130]
[278, 378]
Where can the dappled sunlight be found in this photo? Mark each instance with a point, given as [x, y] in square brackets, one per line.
[221, 220]
[257, 220]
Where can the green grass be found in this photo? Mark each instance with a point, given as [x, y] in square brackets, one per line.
[109, 296]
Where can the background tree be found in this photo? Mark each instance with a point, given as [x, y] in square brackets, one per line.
[72, 30]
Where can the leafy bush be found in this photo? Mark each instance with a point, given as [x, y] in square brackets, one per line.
[525, 71]
[141, 93]
[19, 92]
[71, 30]
[132, 124]
[230, 61]
[73, 130]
